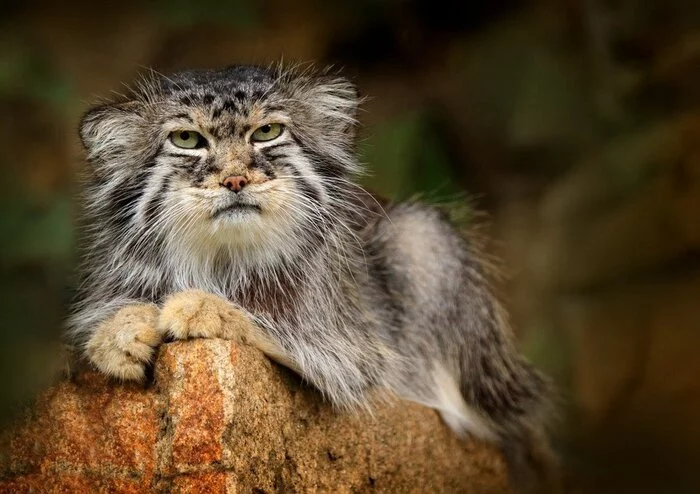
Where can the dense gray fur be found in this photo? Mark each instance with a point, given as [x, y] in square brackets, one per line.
[362, 296]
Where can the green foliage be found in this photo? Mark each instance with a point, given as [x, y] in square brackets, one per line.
[36, 245]
[406, 156]
[36, 233]
[549, 350]
[27, 73]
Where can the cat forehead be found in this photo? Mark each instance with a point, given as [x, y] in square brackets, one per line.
[243, 83]
[225, 101]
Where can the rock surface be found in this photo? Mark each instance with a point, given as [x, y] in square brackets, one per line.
[222, 418]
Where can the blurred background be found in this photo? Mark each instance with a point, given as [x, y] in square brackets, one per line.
[575, 124]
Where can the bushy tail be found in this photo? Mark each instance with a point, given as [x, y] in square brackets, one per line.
[533, 466]
[517, 401]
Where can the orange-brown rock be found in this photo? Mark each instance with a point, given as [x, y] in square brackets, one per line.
[222, 418]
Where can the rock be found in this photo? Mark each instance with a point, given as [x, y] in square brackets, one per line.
[222, 418]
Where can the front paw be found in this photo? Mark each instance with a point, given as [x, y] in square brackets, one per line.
[198, 314]
[123, 345]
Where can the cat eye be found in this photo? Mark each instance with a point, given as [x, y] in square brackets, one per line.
[187, 139]
[267, 132]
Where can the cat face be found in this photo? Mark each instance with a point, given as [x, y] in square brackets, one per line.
[245, 157]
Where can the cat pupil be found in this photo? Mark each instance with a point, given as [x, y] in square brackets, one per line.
[265, 129]
[185, 136]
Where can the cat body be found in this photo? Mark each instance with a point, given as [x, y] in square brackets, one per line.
[214, 198]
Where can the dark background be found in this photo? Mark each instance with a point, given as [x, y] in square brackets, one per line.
[575, 124]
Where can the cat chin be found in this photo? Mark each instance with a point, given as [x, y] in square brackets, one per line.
[238, 227]
[257, 237]
[245, 229]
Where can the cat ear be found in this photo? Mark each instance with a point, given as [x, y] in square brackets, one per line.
[112, 133]
[327, 102]
[327, 106]
[336, 100]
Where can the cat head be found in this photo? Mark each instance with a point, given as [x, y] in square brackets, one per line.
[244, 157]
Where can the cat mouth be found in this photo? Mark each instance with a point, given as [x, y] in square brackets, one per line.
[237, 208]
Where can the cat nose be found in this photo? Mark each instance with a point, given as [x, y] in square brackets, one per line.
[235, 184]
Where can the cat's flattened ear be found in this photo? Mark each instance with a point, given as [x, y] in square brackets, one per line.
[113, 131]
[336, 100]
